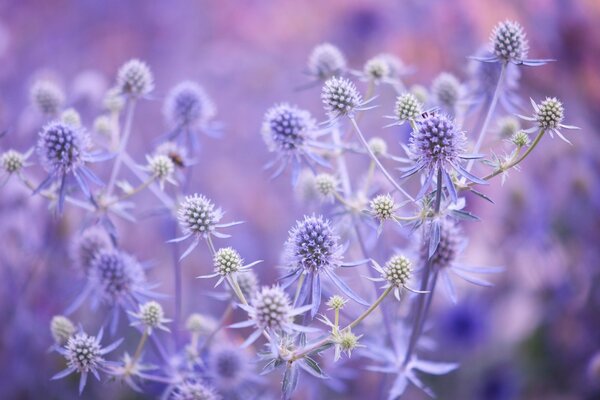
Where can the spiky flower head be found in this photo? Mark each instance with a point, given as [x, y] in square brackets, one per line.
[271, 308]
[447, 91]
[550, 113]
[336, 302]
[197, 215]
[150, 316]
[286, 128]
[188, 104]
[116, 276]
[178, 154]
[377, 69]
[326, 184]
[135, 78]
[228, 366]
[383, 207]
[161, 167]
[509, 42]
[47, 97]
[420, 92]
[86, 245]
[61, 328]
[508, 126]
[312, 245]
[340, 97]
[449, 247]
[83, 352]
[325, 61]
[12, 161]
[345, 341]
[520, 139]
[248, 283]
[61, 147]
[103, 126]
[378, 146]
[398, 270]
[408, 107]
[191, 390]
[437, 141]
[71, 116]
[200, 324]
[395, 65]
[227, 261]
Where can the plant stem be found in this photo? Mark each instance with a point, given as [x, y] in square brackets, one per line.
[488, 117]
[160, 195]
[138, 189]
[370, 309]
[122, 146]
[50, 196]
[178, 289]
[138, 351]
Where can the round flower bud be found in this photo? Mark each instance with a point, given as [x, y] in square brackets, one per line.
[377, 69]
[189, 390]
[378, 146]
[312, 245]
[135, 79]
[271, 308]
[325, 61]
[197, 215]
[12, 161]
[113, 100]
[62, 329]
[340, 97]
[161, 166]
[383, 207]
[200, 324]
[115, 275]
[347, 341]
[520, 139]
[437, 142]
[227, 261]
[508, 126]
[188, 104]
[509, 42]
[326, 184]
[397, 271]
[60, 147]
[83, 353]
[103, 126]
[71, 116]
[446, 90]
[420, 92]
[550, 113]
[448, 247]
[248, 283]
[47, 97]
[408, 107]
[286, 128]
[395, 65]
[151, 314]
[336, 302]
[87, 245]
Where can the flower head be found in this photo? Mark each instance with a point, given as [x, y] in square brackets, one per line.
[61, 328]
[325, 61]
[86, 245]
[520, 139]
[377, 69]
[199, 324]
[447, 91]
[47, 97]
[229, 368]
[178, 154]
[192, 390]
[378, 146]
[162, 168]
[71, 116]
[150, 316]
[188, 105]
[326, 184]
[396, 273]
[336, 302]
[407, 108]
[12, 161]
[340, 97]
[248, 283]
[548, 116]
[383, 207]
[345, 341]
[227, 263]
[135, 79]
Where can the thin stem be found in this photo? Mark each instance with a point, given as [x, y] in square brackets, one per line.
[344, 201]
[235, 286]
[160, 195]
[370, 172]
[122, 146]
[488, 117]
[370, 309]
[341, 161]
[138, 350]
[127, 195]
[178, 289]
[211, 246]
[50, 196]
[376, 160]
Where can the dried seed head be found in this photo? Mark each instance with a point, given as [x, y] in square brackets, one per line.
[550, 113]
[227, 261]
[135, 79]
[408, 107]
[398, 270]
[325, 61]
[61, 328]
[509, 42]
[383, 207]
[271, 308]
[47, 97]
[340, 97]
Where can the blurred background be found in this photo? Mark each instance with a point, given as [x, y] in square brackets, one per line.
[535, 335]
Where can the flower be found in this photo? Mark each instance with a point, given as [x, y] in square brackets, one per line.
[377, 69]
[336, 302]
[341, 98]
[312, 250]
[193, 390]
[63, 151]
[227, 264]
[12, 162]
[62, 329]
[397, 273]
[177, 154]
[326, 184]
[150, 316]
[520, 139]
[378, 146]
[548, 116]
[447, 92]
[291, 132]
[271, 310]
[230, 369]
[71, 116]
[84, 355]
[325, 61]
[162, 168]
[198, 217]
[408, 108]
[345, 341]
[86, 245]
[438, 146]
[508, 126]
[135, 79]
[47, 97]
[383, 207]
[200, 324]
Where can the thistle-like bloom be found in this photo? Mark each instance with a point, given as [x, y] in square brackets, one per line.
[47, 97]
[548, 116]
[291, 133]
[12, 162]
[326, 185]
[193, 390]
[445, 260]
[312, 250]
[86, 245]
[178, 154]
[325, 61]
[407, 108]
[85, 355]
[447, 92]
[341, 98]
[377, 69]
[162, 168]
[63, 151]
[135, 79]
[62, 329]
[270, 310]
[228, 264]
[71, 116]
[397, 273]
[230, 369]
[150, 316]
[200, 324]
[438, 147]
[508, 43]
[199, 218]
